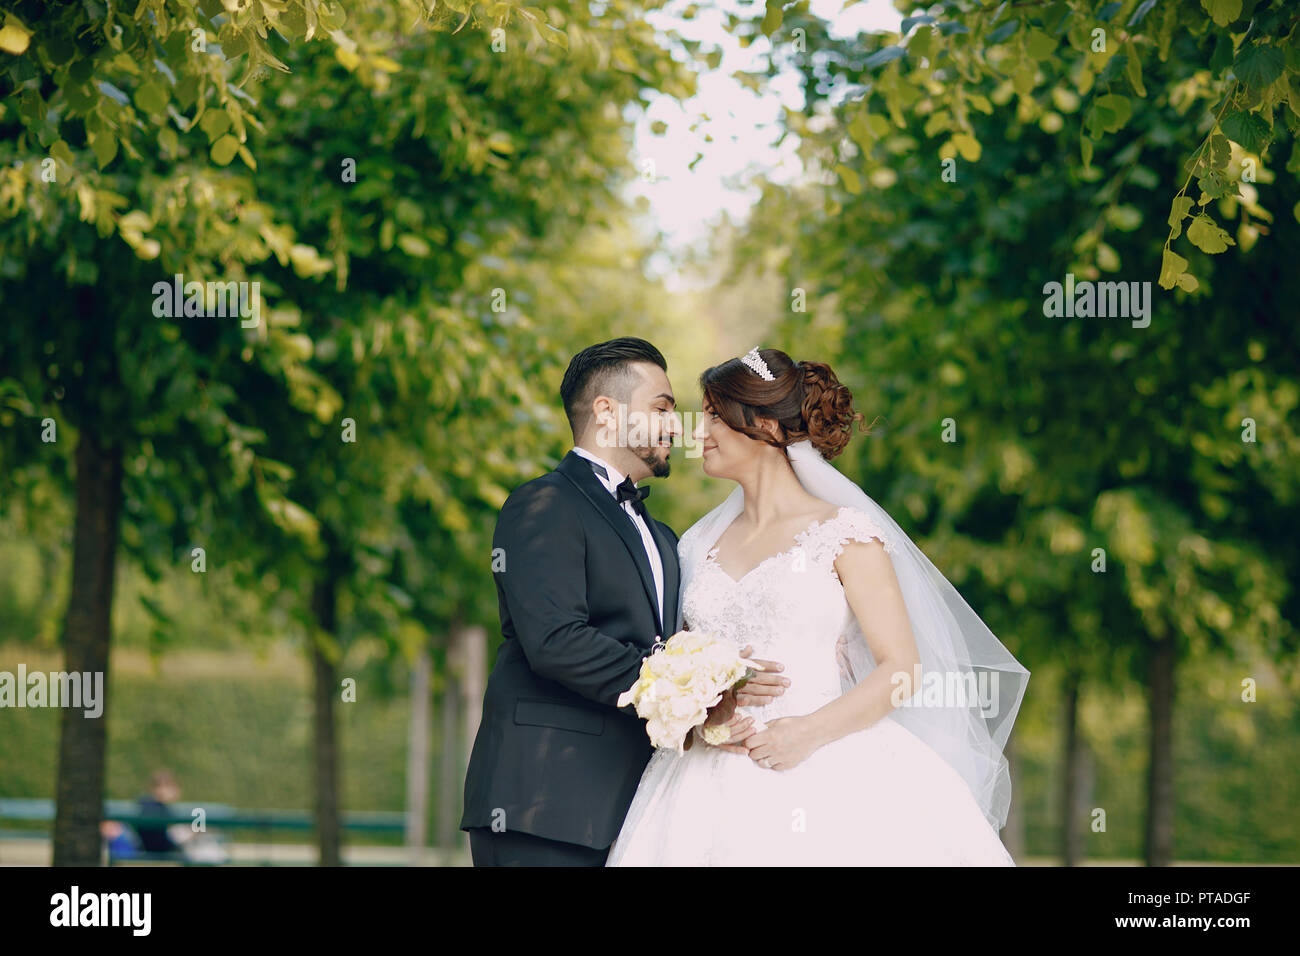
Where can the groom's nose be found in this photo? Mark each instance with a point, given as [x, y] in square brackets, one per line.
[673, 425]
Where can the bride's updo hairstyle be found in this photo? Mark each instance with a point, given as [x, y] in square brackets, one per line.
[804, 398]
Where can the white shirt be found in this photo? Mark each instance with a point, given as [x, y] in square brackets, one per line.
[611, 483]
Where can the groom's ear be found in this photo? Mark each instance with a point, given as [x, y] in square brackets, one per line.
[602, 410]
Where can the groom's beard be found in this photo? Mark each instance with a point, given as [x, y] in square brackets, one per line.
[658, 467]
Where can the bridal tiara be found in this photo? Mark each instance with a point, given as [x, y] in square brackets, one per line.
[755, 361]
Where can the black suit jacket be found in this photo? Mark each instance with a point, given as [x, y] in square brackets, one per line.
[554, 755]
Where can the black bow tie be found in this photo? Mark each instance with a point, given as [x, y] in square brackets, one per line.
[627, 491]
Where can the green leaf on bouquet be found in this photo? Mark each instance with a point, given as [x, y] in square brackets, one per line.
[772, 18]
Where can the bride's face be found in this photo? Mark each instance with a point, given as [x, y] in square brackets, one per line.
[726, 452]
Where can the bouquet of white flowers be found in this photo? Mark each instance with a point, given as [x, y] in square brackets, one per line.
[680, 681]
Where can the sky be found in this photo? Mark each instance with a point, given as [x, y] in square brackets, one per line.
[684, 203]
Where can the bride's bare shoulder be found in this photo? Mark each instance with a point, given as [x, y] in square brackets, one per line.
[820, 510]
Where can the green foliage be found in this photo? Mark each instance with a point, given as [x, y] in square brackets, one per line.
[1116, 64]
[414, 298]
[88, 84]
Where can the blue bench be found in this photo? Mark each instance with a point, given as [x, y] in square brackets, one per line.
[215, 816]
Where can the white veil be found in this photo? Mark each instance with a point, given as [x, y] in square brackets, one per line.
[966, 719]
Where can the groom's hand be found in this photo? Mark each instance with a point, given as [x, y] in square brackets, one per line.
[765, 686]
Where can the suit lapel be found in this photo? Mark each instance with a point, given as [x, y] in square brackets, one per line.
[578, 470]
[668, 557]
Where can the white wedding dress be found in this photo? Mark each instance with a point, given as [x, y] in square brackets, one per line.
[879, 796]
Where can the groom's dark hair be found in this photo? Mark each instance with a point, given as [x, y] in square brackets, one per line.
[603, 369]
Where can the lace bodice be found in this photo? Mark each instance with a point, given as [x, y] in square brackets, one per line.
[791, 607]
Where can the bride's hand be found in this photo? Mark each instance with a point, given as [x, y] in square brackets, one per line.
[765, 686]
[723, 713]
[785, 743]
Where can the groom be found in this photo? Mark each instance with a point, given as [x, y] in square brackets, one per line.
[587, 584]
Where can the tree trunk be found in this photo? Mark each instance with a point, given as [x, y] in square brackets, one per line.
[325, 754]
[417, 757]
[1071, 824]
[1158, 846]
[87, 634]
[462, 710]
[450, 779]
[474, 684]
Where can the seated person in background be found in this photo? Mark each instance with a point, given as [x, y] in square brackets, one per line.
[163, 838]
[155, 838]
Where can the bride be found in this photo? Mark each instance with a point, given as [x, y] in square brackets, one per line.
[886, 747]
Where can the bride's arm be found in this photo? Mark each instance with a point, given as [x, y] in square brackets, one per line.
[872, 590]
